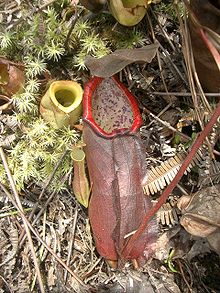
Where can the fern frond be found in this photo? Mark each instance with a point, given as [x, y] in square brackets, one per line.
[168, 214]
[160, 176]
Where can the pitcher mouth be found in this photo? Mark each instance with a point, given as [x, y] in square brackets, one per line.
[110, 108]
[66, 94]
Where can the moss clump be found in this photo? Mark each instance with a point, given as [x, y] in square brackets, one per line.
[40, 39]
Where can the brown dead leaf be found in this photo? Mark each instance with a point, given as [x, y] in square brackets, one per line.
[11, 77]
[4, 76]
[116, 61]
[166, 285]
[201, 215]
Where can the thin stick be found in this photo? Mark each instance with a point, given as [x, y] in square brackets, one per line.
[17, 199]
[163, 31]
[161, 113]
[202, 94]
[188, 54]
[173, 64]
[52, 174]
[6, 283]
[73, 22]
[188, 58]
[183, 275]
[166, 124]
[172, 46]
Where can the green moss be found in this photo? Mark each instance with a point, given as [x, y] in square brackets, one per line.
[169, 9]
[39, 40]
[37, 152]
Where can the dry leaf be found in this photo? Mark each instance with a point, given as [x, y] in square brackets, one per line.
[116, 61]
[167, 214]
[51, 278]
[11, 77]
[165, 242]
[199, 247]
[201, 215]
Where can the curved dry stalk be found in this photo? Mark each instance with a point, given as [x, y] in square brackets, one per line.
[183, 275]
[27, 230]
[42, 242]
[187, 53]
[162, 30]
[166, 124]
[202, 94]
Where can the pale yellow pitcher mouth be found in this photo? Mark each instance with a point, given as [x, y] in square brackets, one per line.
[66, 95]
[61, 105]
